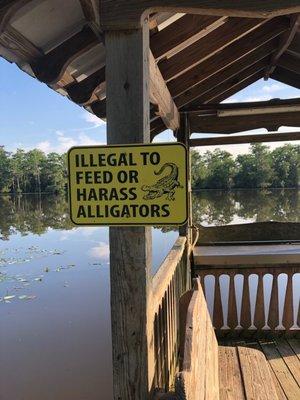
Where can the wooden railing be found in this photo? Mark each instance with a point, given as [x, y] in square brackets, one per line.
[168, 285]
[253, 299]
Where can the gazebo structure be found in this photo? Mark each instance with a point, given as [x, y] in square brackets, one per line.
[145, 66]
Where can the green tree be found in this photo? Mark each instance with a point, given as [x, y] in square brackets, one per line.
[54, 173]
[286, 166]
[220, 169]
[34, 160]
[5, 170]
[18, 171]
[254, 170]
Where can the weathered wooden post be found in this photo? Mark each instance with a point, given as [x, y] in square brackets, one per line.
[183, 136]
[127, 77]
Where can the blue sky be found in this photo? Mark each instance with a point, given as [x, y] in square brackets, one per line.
[32, 115]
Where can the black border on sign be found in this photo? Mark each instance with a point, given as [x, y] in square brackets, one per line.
[129, 145]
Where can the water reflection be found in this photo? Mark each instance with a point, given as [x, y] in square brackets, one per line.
[222, 208]
[36, 214]
[32, 214]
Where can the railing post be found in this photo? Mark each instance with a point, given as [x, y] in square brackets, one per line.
[183, 136]
[127, 79]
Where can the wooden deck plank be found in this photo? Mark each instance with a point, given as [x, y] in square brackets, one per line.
[256, 375]
[283, 374]
[231, 384]
[280, 393]
[295, 345]
[290, 358]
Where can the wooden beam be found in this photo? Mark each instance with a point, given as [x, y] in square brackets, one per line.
[285, 42]
[21, 47]
[160, 95]
[228, 73]
[90, 10]
[289, 62]
[246, 108]
[127, 76]
[212, 124]
[230, 55]
[125, 14]
[82, 92]
[182, 32]
[50, 68]
[233, 30]
[287, 77]
[262, 138]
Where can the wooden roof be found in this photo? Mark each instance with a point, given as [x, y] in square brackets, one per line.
[202, 59]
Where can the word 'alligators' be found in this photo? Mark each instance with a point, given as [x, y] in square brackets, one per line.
[165, 185]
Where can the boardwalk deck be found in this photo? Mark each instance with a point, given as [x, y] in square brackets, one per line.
[283, 356]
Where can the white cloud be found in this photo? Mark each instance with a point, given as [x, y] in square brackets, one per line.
[274, 87]
[101, 251]
[93, 119]
[63, 143]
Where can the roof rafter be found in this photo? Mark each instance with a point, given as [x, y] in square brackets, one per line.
[230, 55]
[233, 30]
[228, 73]
[287, 77]
[285, 41]
[182, 33]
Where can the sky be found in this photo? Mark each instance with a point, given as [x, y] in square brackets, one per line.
[34, 116]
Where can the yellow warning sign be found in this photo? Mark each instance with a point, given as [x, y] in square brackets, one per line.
[128, 185]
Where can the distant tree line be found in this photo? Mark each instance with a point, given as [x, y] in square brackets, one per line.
[32, 172]
[35, 172]
[260, 168]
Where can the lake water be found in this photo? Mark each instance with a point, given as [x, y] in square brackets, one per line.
[54, 289]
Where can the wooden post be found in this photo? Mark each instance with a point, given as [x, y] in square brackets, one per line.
[127, 76]
[183, 136]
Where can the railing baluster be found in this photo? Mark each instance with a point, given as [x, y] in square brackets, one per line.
[288, 312]
[273, 317]
[259, 314]
[246, 306]
[232, 319]
[218, 320]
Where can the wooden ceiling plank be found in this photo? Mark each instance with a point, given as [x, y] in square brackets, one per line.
[290, 63]
[181, 32]
[229, 125]
[261, 138]
[82, 92]
[287, 77]
[233, 30]
[285, 42]
[232, 91]
[228, 73]
[160, 95]
[230, 55]
[255, 71]
[50, 68]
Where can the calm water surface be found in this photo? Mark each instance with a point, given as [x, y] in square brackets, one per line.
[54, 290]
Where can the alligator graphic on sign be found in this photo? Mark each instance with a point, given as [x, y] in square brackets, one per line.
[165, 185]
